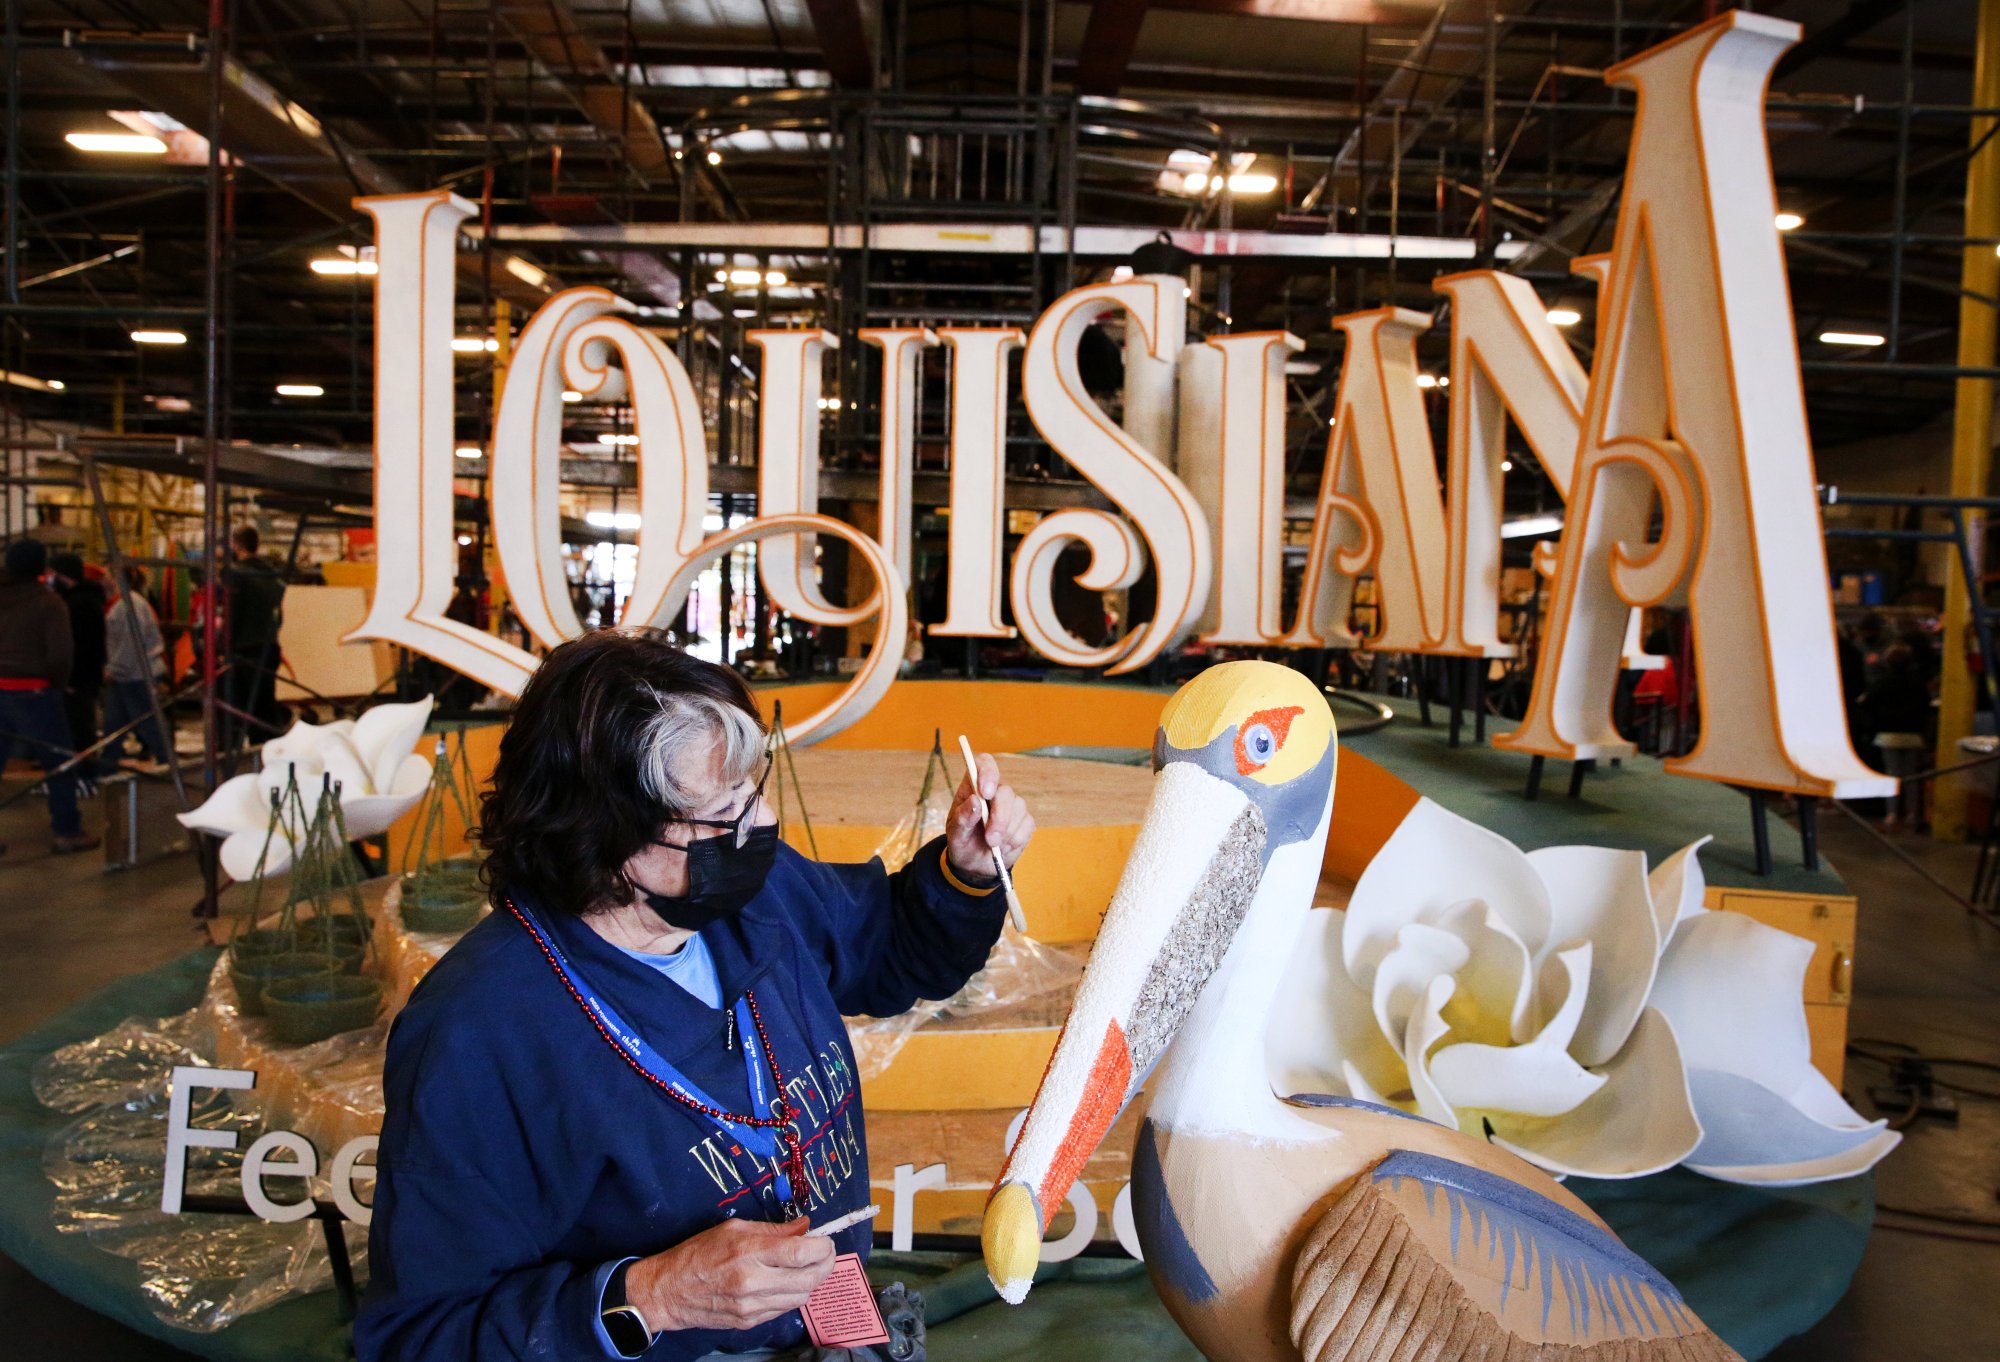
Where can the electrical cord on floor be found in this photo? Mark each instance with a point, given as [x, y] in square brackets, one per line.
[1941, 1232]
[1857, 1047]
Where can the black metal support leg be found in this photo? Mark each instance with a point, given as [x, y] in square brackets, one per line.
[1479, 700]
[1760, 832]
[1454, 687]
[1424, 691]
[1534, 790]
[1809, 831]
[1577, 771]
[343, 1270]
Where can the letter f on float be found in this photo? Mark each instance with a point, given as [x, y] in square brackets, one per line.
[1195, 936]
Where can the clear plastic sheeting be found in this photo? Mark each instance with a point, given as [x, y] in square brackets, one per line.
[197, 1271]
[1019, 970]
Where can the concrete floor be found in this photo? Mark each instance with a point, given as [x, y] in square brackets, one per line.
[1926, 975]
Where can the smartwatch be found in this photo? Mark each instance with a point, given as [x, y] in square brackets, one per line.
[623, 1324]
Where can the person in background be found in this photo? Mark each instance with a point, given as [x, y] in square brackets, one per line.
[86, 602]
[35, 655]
[1897, 707]
[135, 666]
[255, 613]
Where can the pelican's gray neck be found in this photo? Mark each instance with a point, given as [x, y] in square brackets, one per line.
[1214, 1075]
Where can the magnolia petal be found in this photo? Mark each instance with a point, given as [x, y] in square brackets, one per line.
[243, 852]
[1325, 1036]
[385, 735]
[371, 815]
[412, 777]
[1358, 1086]
[1678, 887]
[1751, 1134]
[1433, 862]
[1426, 1029]
[1496, 986]
[238, 805]
[1731, 987]
[1599, 895]
[1535, 1079]
[1641, 1121]
[1403, 978]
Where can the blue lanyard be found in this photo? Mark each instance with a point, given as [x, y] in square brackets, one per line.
[759, 1140]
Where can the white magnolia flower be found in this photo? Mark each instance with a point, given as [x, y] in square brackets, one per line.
[1590, 1017]
[370, 759]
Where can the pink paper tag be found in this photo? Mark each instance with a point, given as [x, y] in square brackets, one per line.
[841, 1312]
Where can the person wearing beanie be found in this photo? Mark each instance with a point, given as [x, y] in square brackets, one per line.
[36, 657]
[87, 603]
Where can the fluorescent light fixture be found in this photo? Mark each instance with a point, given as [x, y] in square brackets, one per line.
[745, 276]
[774, 278]
[619, 439]
[1427, 380]
[131, 143]
[1252, 184]
[572, 395]
[301, 390]
[468, 452]
[1851, 338]
[613, 520]
[160, 337]
[342, 265]
[715, 158]
[1563, 316]
[56, 385]
[465, 541]
[53, 385]
[1196, 183]
[722, 276]
[473, 345]
[1506, 465]
[526, 273]
[1120, 273]
[1530, 525]
[1786, 222]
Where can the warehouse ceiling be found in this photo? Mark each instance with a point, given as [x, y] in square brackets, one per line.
[1365, 116]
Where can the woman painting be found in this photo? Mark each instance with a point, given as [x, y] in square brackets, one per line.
[617, 1104]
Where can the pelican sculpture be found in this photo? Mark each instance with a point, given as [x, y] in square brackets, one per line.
[1293, 1227]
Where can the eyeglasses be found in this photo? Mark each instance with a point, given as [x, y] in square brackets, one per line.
[741, 825]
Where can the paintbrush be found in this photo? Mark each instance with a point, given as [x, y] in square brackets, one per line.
[836, 1226]
[1014, 909]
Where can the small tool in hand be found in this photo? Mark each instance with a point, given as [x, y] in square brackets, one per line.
[1014, 910]
[832, 1227]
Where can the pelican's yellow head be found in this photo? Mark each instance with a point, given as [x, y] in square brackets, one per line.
[1245, 760]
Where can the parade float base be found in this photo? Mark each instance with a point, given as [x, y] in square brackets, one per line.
[1757, 1265]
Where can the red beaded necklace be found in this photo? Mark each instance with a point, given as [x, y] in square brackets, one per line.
[780, 1121]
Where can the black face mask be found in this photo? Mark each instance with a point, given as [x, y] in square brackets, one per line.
[724, 873]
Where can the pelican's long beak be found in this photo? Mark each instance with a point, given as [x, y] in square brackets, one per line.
[1193, 872]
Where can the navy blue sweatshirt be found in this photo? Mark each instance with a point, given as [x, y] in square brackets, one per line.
[520, 1152]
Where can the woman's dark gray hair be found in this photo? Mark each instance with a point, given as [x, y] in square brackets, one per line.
[612, 736]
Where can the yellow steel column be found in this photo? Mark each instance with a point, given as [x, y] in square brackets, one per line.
[1972, 424]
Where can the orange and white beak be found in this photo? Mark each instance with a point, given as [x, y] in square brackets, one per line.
[1193, 872]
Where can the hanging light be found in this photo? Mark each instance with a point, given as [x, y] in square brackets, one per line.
[301, 390]
[1564, 316]
[129, 143]
[160, 337]
[1787, 222]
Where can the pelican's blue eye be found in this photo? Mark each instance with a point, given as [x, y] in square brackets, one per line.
[1258, 744]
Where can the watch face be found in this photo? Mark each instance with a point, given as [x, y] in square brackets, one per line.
[626, 1330]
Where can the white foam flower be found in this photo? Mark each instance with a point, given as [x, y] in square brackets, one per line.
[1587, 1015]
[370, 759]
